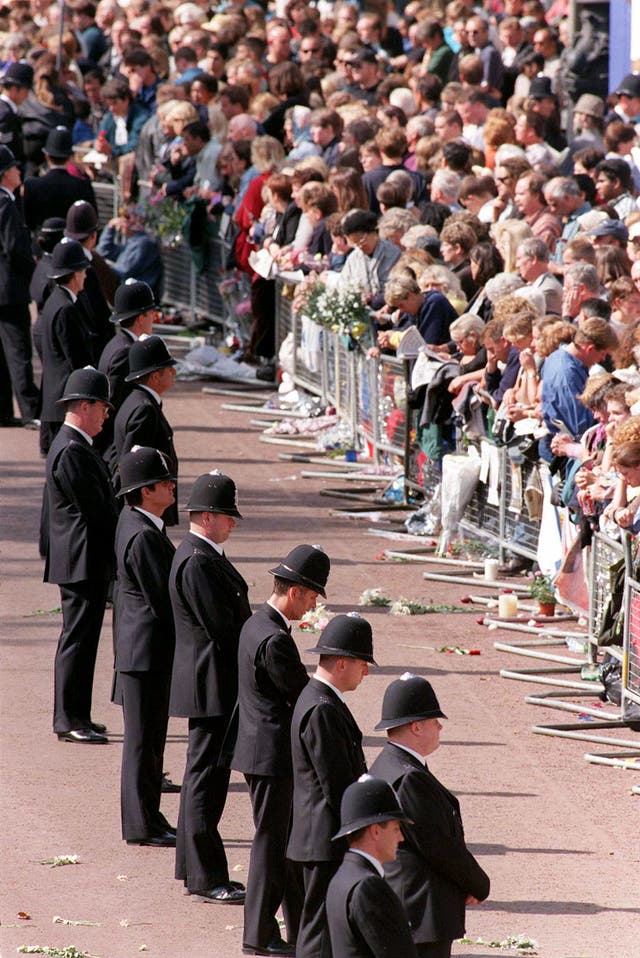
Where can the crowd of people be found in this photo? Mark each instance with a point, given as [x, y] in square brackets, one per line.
[430, 156]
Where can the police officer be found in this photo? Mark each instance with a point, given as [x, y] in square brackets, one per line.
[210, 606]
[135, 311]
[82, 518]
[435, 874]
[16, 269]
[65, 337]
[271, 677]
[140, 421]
[16, 82]
[144, 640]
[54, 192]
[364, 915]
[326, 748]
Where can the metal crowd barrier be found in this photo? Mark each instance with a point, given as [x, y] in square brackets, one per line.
[631, 641]
[108, 201]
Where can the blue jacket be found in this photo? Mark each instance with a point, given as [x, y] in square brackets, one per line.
[136, 119]
[138, 256]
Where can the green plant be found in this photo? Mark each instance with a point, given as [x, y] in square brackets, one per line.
[542, 588]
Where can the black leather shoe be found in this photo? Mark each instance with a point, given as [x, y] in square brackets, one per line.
[166, 840]
[515, 566]
[169, 786]
[84, 736]
[98, 727]
[278, 947]
[226, 894]
[10, 422]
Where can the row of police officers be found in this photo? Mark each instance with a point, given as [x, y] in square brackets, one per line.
[186, 644]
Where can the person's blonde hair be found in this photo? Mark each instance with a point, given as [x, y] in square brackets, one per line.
[267, 153]
[506, 307]
[510, 233]
[627, 431]
[467, 325]
[218, 123]
[398, 288]
[184, 111]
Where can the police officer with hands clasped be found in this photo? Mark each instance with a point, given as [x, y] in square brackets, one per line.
[326, 748]
[271, 677]
[82, 517]
[435, 875]
[210, 606]
[144, 640]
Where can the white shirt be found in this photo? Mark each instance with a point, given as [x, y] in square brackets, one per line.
[81, 431]
[121, 135]
[215, 545]
[374, 861]
[6, 99]
[73, 296]
[326, 682]
[155, 395]
[8, 192]
[281, 614]
[157, 521]
[411, 751]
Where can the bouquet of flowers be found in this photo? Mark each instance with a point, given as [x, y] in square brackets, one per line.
[342, 310]
[165, 218]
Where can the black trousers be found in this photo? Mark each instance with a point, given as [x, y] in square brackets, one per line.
[145, 707]
[15, 339]
[273, 880]
[434, 949]
[83, 606]
[201, 862]
[313, 936]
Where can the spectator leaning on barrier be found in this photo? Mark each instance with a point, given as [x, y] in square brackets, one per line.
[371, 258]
[564, 375]
[136, 254]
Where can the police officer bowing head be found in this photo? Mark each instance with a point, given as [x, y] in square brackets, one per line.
[346, 651]
[299, 579]
[213, 506]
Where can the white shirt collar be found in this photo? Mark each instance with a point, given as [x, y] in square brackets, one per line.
[415, 754]
[8, 192]
[157, 520]
[73, 296]
[125, 329]
[155, 395]
[215, 545]
[332, 687]
[81, 431]
[374, 861]
[281, 614]
[3, 96]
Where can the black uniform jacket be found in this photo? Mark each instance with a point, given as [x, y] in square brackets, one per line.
[140, 421]
[82, 511]
[67, 344]
[210, 606]
[270, 679]
[52, 194]
[326, 748]
[434, 871]
[365, 917]
[143, 621]
[114, 363]
[11, 130]
[16, 260]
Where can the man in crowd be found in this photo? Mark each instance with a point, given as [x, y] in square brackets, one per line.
[326, 747]
[210, 606]
[532, 262]
[271, 677]
[82, 518]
